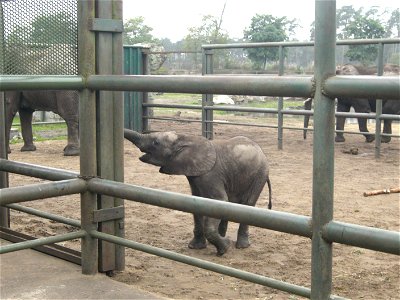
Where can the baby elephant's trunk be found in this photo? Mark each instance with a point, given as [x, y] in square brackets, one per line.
[132, 136]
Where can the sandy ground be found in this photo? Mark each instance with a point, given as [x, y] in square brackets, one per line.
[357, 273]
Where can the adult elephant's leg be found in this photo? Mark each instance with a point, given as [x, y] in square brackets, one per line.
[389, 107]
[9, 119]
[341, 107]
[67, 103]
[387, 128]
[26, 128]
[363, 106]
[72, 148]
[362, 125]
[307, 106]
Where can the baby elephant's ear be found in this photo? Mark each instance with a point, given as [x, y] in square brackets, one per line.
[192, 156]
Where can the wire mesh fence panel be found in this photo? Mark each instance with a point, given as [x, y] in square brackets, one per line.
[38, 38]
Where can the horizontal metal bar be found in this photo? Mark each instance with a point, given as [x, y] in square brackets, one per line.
[41, 82]
[41, 191]
[242, 124]
[363, 237]
[50, 249]
[173, 119]
[378, 87]
[45, 215]
[41, 123]
[182, 106]
[265, 281]
[302, 112]
[389, 117]
[274, 111]
[280, 221]
[42, 241]
[174, 52]
[299, 44]
[35, 170]
[356, 115]
[242, 109]
[210, 84]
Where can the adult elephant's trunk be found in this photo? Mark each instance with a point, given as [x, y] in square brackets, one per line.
[307, 106]
[133, 136]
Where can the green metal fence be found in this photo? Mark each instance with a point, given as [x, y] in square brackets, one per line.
[101, 159]
[207, 108]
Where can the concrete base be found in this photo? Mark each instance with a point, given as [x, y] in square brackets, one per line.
[29, 274]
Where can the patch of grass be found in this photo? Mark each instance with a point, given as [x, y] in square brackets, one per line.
[38, 131]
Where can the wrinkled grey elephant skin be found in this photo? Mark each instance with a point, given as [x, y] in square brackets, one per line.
[361, 105]
[63, 103]
[234, 170]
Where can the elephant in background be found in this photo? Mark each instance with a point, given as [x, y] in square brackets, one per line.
[234, 170]
[361, 105]
[63, 103]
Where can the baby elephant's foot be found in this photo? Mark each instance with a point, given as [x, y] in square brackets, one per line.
[223, 246]
[198, 243]
[242, 242]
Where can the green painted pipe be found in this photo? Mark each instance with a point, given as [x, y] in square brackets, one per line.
[42, 241]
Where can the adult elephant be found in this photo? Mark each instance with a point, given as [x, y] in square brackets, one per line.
[234, 170]
[361, 105]
[63, 103]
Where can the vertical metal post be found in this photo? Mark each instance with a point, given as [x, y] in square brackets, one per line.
[118, 111]
[323, 149]
[87, 134]
[378, 105]
[128, 95]
[280, 101]
[207, 99]
[145, 71]
[4, 212]
[105, 130]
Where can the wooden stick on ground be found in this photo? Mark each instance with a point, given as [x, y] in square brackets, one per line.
[384, 191]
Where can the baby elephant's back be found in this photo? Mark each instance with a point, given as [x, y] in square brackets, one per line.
[242, 156]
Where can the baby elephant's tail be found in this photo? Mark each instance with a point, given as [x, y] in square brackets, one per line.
[270, 194]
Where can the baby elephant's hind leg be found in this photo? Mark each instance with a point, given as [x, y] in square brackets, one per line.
[243, 236]
[222, 228]
[249, 198]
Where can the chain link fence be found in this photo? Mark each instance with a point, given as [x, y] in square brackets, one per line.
[38, 39]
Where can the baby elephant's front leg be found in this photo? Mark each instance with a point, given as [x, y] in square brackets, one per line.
[212, 235]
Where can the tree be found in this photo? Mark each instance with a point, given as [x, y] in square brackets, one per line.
[364, 26]
[136, 32]
[266, 28]
[393, 24]
[208, 32]
[59, 28]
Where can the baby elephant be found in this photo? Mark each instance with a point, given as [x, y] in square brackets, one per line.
[234, 170]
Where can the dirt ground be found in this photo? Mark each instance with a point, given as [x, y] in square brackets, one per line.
[357, 273]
